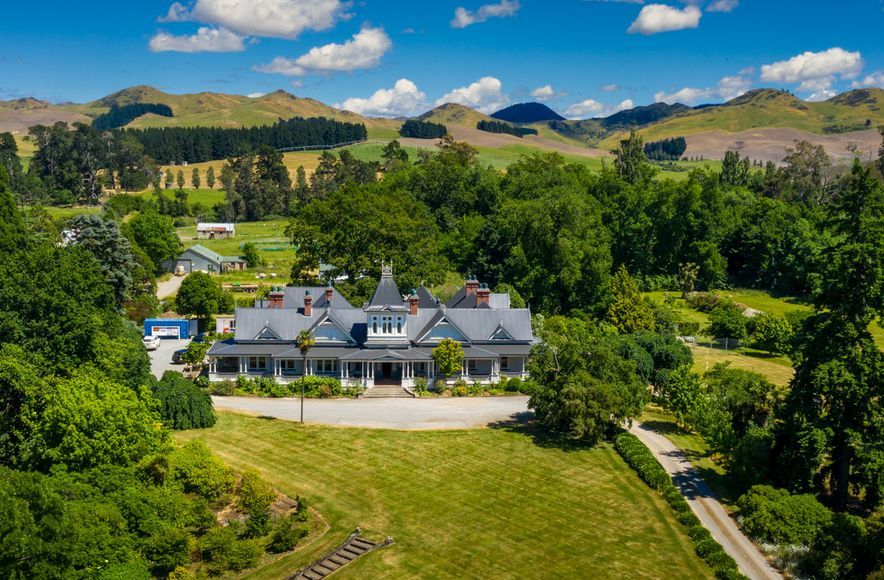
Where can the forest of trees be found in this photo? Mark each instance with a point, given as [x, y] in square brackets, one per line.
[501, 127]
[175, 145]
[666, 149]
[422, 129]
[119, 116]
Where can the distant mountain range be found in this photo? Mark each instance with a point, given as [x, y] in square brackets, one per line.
[760, 111]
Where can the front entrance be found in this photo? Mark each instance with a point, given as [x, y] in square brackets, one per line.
[387, 373]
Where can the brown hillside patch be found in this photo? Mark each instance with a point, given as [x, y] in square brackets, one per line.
[770, 144]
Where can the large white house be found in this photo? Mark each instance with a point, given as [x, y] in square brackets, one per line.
[387, 341]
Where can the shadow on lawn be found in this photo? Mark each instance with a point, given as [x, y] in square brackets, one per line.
[524, 424]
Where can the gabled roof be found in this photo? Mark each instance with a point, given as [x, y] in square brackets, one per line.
[204, 252]
[500, 333]
[215, 226]
[427, 300]
[267, 333]
[440, 316]
[330, 315]
[462, 300]
[480, 324]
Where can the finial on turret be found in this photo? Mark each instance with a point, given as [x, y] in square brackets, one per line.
[387, 268]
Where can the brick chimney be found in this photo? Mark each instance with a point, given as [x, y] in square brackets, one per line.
[276, 297]
[413, 302]
[471, 285]
[328, 296]
[308, 304]
[483, 295]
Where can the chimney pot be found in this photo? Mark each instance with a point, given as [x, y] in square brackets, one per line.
[483, 295]
[413, 302]
[328, 295]
[308, 304]
[471, 285]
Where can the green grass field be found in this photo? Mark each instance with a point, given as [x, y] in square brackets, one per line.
[485, 503]
[66, 213]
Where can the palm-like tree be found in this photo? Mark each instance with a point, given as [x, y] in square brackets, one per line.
[305, 342]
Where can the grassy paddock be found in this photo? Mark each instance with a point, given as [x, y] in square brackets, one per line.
[481, 503]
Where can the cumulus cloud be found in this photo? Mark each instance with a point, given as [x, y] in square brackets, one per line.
[722, 5]
[205, 40]
[485, 95]
[272, 18]
[727, 88]
[403, 99]
[255, 95]
[463, 17]
[815, 71]
[363, 51]
[591, 108]
[655, 18]
[876, 79]
[821, 95]
[544, 93]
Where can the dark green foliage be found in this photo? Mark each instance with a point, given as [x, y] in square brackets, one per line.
[666, 352]
[286, 534]
[580, 396]
[751, 458]
[506, 128]
[197, 144]
[734, 172]
[256, 186]
[251, 255]
[774, 515]
[666, 149]
[102, 238]
[638, 457]
[844, 548]
[771, 333]
[183, 405]
[422, 129]
[201, 295]
[630, 161]
[125, 114]
[156, 235]
[727, 321]
[12, 228]
[224, 551]
[199, 472]
[166, 550]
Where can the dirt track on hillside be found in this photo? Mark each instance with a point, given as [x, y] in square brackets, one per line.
[19, 121]
[770, 144]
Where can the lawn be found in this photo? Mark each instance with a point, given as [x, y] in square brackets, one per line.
[484, 503]
[66, 213]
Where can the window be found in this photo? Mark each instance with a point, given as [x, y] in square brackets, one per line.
[374, 325]
[471, 366]
[398, 326]
[257, 363]
[287, 365]
[326, 365]
[504, 363]
[233, 324]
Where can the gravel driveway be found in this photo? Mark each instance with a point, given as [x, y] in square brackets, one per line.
[168, 287]
[406, 414]
[705, 505]
[161, 358]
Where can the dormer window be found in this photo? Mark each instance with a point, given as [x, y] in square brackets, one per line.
[399, 326]
[374, 326]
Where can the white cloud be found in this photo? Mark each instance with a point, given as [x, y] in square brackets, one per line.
[727, 88]
[484, 95]
[464, 17]
[274, 18]
[403, 99]
[364, 50]
[821, 95]
[814, 71]
[205, 40]
[591, 108]
[544, 93]
[722, 5]
[876, 79]
[610, 88]
[255, 95]
[655, 18]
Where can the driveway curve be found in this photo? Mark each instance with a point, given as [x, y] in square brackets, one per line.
[706, 506]
[401, 414]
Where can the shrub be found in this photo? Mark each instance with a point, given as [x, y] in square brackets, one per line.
[255, 494]
[639, 458]
[223, 389]
[182, 404]
[460, 391]
[727, 321]
[705, 548]
[771, 333]
[166, 550]
[221, 548]
[513, 385]
[200, 472]
[704, 301]
[420, 386]
[286, 534]
[774, 515]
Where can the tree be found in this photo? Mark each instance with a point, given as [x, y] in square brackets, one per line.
[631, 162]
[251, 255]
[12, 229]
[681, 393]
[448, 355]
[771, 332]
[516, 300]
[629, 312]
[687, 278]
[585, 390]
[180, 179]
[201, 295]
[727, 321]
[182, 404]
[103, 239]
[734, 172]
[394, 156]
[806, 172]
[195, 355]
[170, 178]
[304, 341]
[195, 178]
[156, 235]
[210, 177]
[88, 421]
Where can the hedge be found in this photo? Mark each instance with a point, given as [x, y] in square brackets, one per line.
[649, 470]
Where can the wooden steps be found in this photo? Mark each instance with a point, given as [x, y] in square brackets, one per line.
[340, 557]
[387, 392]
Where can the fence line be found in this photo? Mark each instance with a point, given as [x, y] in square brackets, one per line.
[320, 147]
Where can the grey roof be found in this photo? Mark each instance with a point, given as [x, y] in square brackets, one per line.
[387, 353]
[204, 252]
[315, 352]
[462, 300]
[386, 296]
[286, 323]
[294, 297]
[480, 324]
[427, 300]
[231, 348]
[508, 349]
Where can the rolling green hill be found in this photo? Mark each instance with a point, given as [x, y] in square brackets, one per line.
[454, 114]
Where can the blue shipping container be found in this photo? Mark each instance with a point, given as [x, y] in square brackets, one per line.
[167, 327]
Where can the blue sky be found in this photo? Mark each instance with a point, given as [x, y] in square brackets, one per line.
[583, 57]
